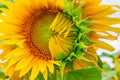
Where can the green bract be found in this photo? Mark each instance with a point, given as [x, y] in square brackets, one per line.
[80, 29]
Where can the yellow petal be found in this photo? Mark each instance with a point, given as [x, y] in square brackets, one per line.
[14, 41]
[15, 60]
[105, 46]
[54, 62]
[6, 50]
[37, 4]
[99, 11]
[50, 67]
[17, 52]
[114, 29]
[89, 2]
[51, 4]
[94, 9]
[28, 67]
[35, 71]
[10, 71]
[56, 50]
[45, 74]
[61, 2]
[24, 62]
[107, 20]
[8, 29]
[42, 65]
[78, 64]
[95, 36]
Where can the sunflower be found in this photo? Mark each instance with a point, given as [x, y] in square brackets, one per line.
[26, 33]
[37, 34]
[103, 24]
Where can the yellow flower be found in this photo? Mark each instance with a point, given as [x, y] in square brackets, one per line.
[102, 24]
[35, 34]
[25, 33]
[100, 14]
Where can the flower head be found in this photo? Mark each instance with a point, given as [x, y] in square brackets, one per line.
[37, 34]
[103, 23]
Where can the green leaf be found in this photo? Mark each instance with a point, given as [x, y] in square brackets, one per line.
[100, 62]
[3, 6]
[2, 75]
[109, 72]
[109, 75]
[83, 74]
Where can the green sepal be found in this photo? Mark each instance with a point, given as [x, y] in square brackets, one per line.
[68, 9]
[80, 56]
[86, 40]
[85, 29]
[77, 14]
[83, 26]
[87, 23]
[75, 30]
[79, 37]
[80, 46]
[78, 23]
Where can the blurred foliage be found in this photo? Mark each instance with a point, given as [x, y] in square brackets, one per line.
[84, 74]
[2, 75]
[111, 73]
[3, 6]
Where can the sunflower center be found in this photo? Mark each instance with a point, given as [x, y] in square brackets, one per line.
[49, 34]
[41, 32]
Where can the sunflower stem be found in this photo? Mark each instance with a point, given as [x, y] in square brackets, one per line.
[62, 70]
[54, 75]
[51, 76]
